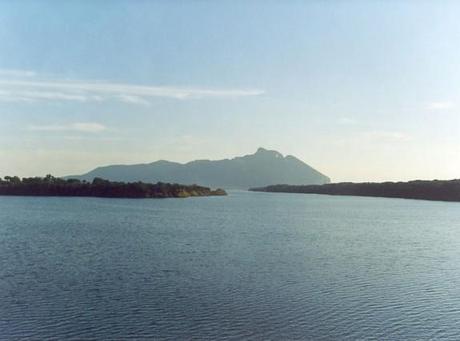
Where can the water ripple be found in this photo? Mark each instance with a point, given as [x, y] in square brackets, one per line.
[250, 266]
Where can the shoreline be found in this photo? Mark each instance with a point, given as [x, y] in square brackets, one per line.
[431, 190]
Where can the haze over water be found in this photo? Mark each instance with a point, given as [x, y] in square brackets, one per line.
[250, 265]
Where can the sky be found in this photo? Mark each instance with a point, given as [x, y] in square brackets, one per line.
[360, 90]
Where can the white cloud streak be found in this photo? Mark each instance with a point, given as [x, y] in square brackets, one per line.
[134, 100]
[34, 95]
[445, 105]
[17, 86]
[387, 136]
[84, 127]
[347, 121]
[17, 73]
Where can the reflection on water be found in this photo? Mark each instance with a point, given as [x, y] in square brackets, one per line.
[250, 265]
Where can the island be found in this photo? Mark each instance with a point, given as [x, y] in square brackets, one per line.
[441, 190]
[53, 186]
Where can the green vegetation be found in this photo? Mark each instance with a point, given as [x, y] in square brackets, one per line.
[442, 190]
[52, 186]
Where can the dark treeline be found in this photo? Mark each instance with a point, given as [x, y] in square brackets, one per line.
[448, 190]
[52, 186]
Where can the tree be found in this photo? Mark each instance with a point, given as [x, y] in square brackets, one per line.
[13, 179]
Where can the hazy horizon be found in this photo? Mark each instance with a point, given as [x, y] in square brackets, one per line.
[361, 91]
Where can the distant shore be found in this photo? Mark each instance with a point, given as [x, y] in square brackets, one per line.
[439, 190]
[52, 186]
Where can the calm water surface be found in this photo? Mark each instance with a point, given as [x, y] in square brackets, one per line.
[250, 265]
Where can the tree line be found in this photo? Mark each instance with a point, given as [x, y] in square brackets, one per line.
[443, 190]
[54, 186]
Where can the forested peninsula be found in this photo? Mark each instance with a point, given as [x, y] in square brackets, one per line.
[441, 190]
[52, 186]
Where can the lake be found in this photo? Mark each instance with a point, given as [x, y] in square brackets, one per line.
[247, 266]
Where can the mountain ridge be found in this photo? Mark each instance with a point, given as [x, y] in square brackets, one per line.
[264, 167]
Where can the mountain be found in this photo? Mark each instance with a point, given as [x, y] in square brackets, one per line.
[263, 168]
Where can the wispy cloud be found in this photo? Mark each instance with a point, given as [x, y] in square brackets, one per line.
[34, 95]
[441, 105]
[386, 136]
[374, 140]
[134, 100]
[92, 137]
[26, 86]
[84, 127]
[17, 73]
[347, 121]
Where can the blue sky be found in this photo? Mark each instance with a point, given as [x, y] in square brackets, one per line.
[362, 91]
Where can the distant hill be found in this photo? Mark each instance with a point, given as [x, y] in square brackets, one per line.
[265, 167]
